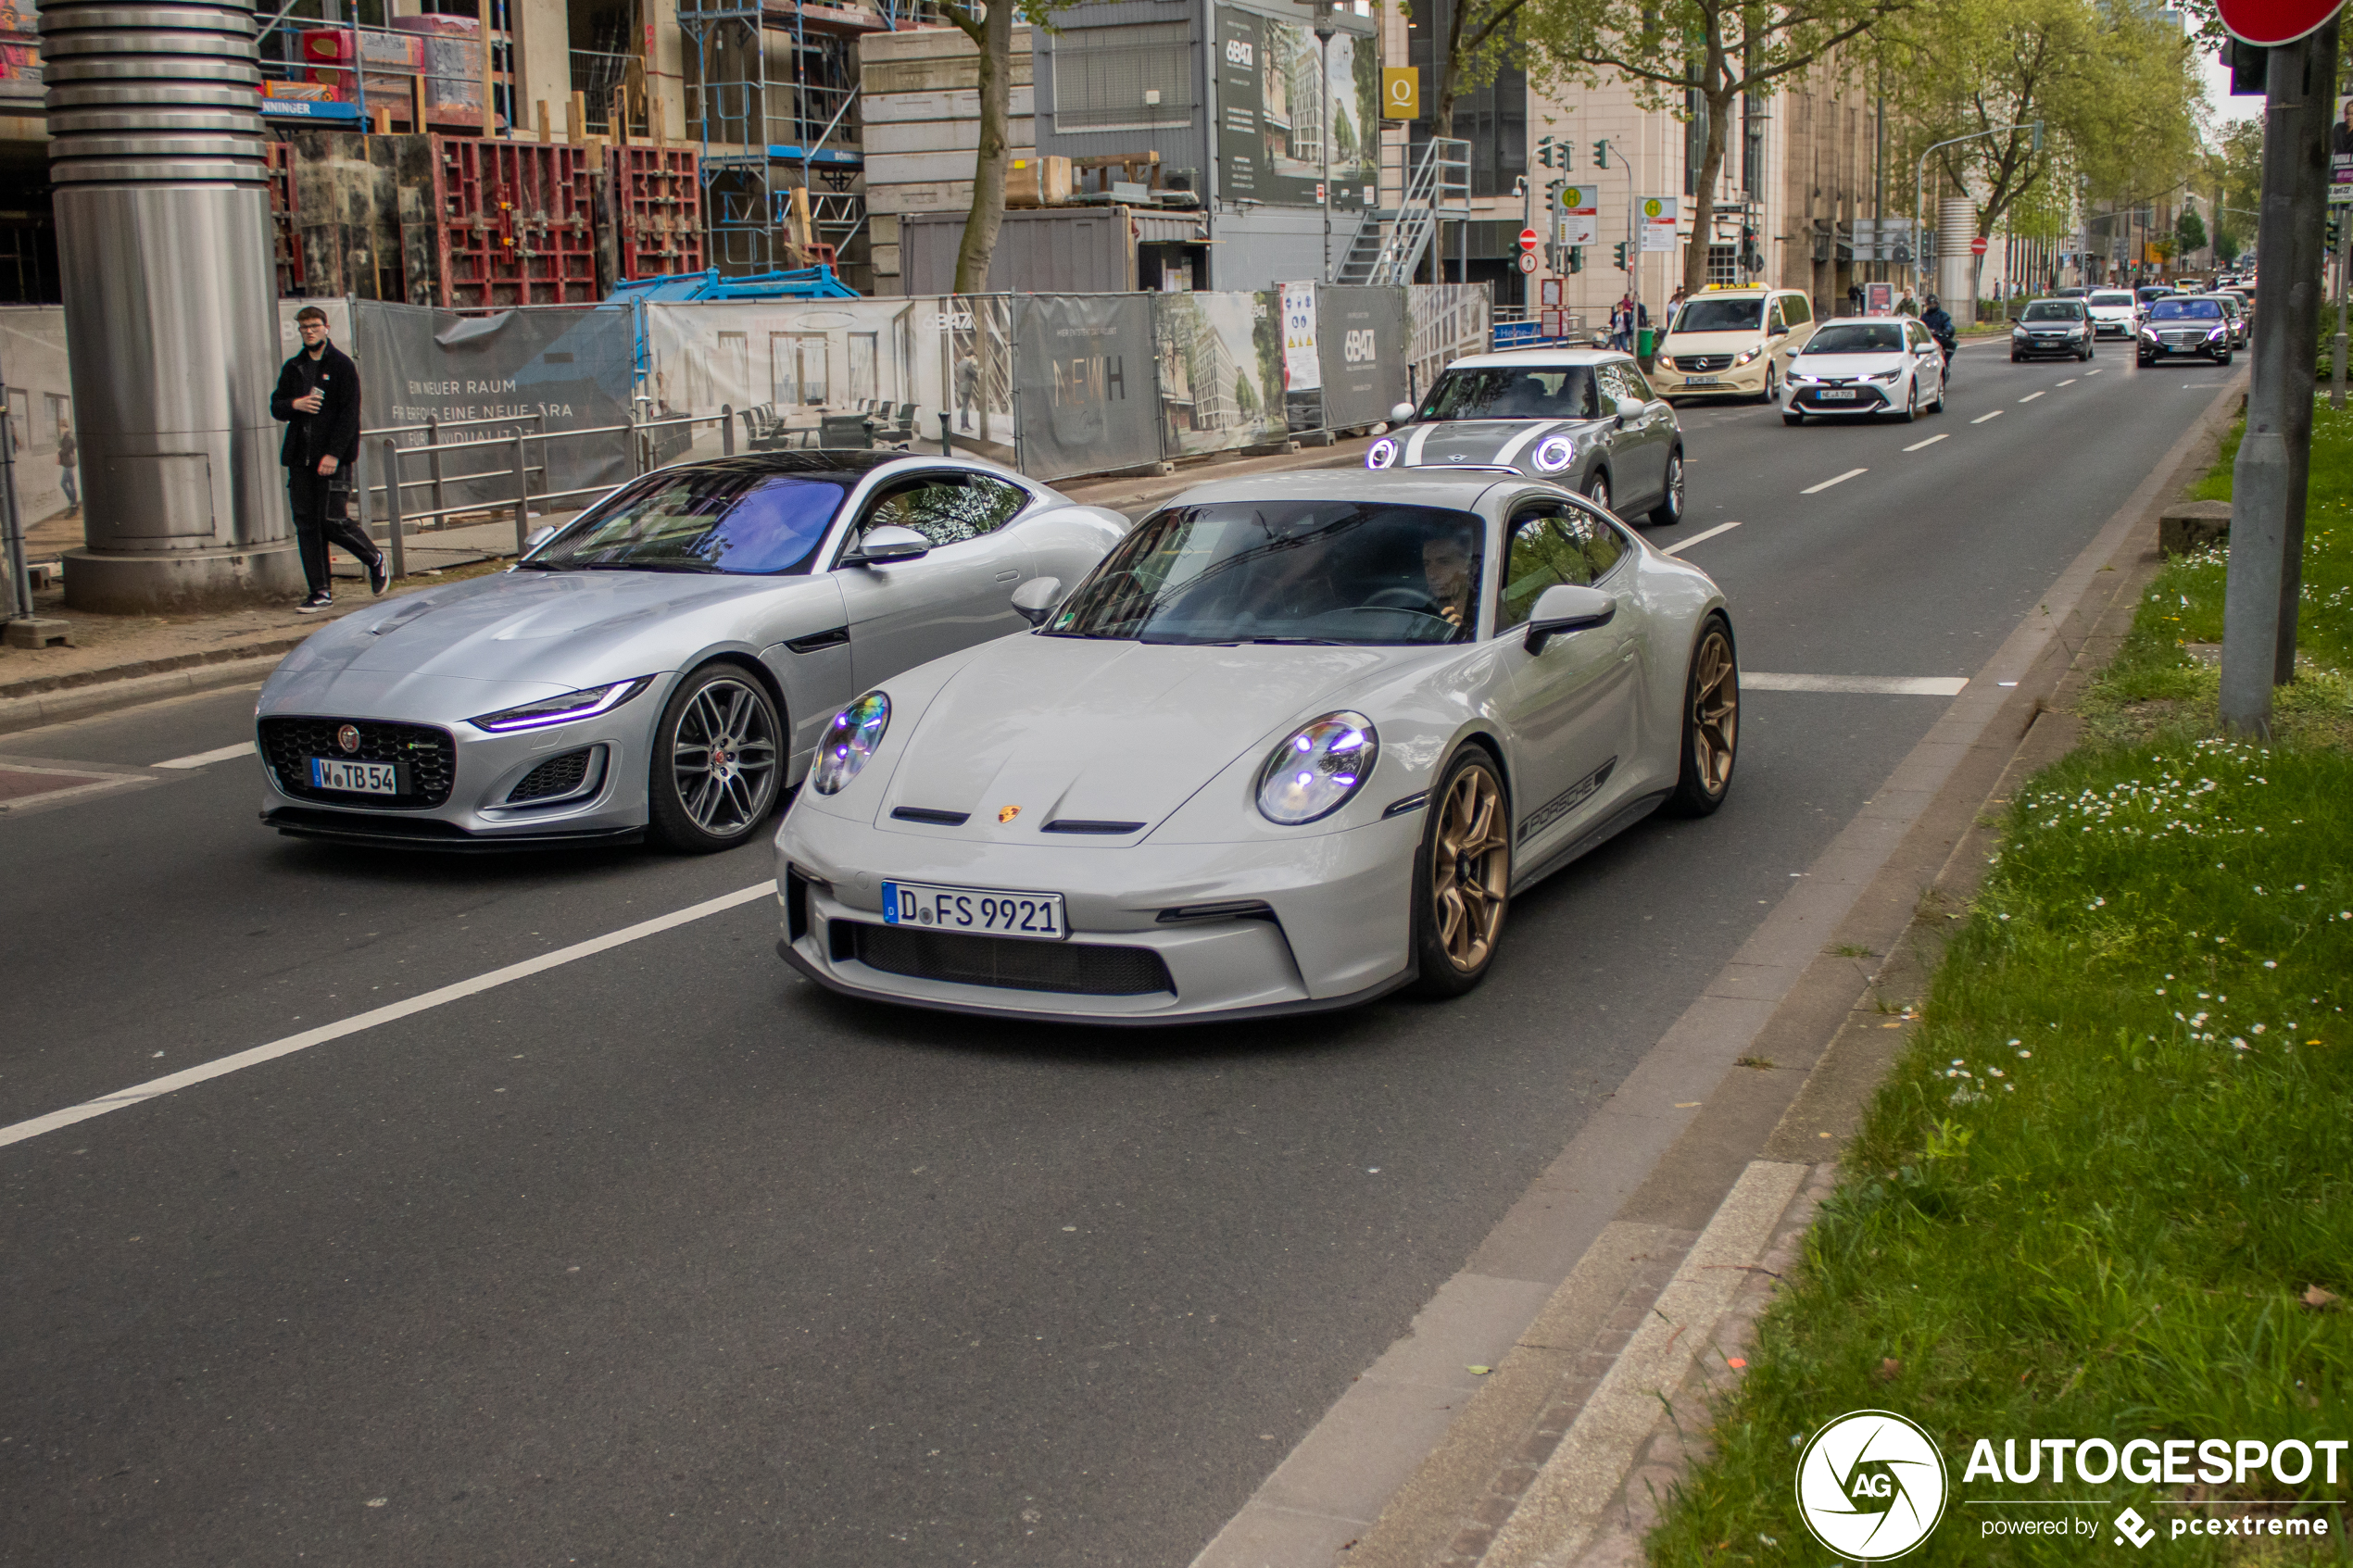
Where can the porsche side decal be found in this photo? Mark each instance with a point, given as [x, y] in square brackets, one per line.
[1561, 805]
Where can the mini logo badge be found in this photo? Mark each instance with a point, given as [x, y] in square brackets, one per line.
[348, 737]
[1006, 814]
[1871, 1485]
[2131, 1527]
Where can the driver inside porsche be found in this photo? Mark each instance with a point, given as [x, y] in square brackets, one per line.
[1446, 566]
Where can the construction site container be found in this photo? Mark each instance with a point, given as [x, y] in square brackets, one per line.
[1053, 250]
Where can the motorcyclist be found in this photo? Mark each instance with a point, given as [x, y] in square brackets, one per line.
[1940, 327]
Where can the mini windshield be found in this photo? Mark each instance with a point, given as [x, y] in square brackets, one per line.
[1514, 391]
[1704, 314]
[2053, 310]
[2185, 310]
[2112, 296]
[1285, 572]
[1856, 337]
[702, 520]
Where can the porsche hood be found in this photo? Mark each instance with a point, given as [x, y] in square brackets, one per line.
[1084, 740]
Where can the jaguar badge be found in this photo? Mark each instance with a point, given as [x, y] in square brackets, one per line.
[348, 737]
[1006, 814]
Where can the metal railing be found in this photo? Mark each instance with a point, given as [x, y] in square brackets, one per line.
[1440, 188]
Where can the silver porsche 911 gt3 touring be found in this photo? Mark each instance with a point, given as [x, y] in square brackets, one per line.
[1585, 417]
[666, 661]
[1295, 743]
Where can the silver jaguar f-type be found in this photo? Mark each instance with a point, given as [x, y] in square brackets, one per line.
[1297, 741]
[1585, 417]
[666, 661]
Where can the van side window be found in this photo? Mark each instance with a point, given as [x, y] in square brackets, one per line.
[1800, 310]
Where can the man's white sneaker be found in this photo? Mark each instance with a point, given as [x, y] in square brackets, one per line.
[315, 603]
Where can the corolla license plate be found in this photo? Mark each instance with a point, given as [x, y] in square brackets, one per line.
[921, 904]
[360, 778]
[1838, 396]
[1703, 381]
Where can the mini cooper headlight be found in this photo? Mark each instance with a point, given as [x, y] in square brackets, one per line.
[1317, 769]
[562, 709]
[850, 740]
[1380, 453]
[1556, 453]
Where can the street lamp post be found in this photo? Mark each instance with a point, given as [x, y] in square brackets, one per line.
[1324, 30]
[1919, 191]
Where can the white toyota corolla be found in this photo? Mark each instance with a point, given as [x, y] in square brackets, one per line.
[1296, 743]
[1865, 365]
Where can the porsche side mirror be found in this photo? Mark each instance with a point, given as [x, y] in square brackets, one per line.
[538, 536]
[1036, 599]
[1567, 607]
[1628, 408]
[885, 543]
[1400, 414]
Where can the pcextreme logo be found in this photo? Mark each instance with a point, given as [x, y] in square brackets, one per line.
[1871, 1485]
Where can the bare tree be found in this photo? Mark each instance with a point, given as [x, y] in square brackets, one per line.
[990, 26]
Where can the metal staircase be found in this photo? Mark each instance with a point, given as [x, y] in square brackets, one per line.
[1391, 242]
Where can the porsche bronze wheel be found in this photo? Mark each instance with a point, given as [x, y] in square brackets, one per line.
[717, 761]
[1462, 879]
[1711, 722]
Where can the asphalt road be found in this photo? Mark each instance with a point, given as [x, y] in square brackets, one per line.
[663, 1256]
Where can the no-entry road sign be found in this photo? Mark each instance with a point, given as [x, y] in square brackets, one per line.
[1528, 238]
[1977, 246]
[2273, 22]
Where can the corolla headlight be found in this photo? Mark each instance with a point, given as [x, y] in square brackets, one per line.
[850, 740]
[1893, 375]
[1743, 357]
[1556, 453]
[562, 709]
[1318, 769]
[1380, 453]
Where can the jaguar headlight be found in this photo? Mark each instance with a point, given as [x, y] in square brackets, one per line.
[850, 740]
[1381, 454]
[562, 709]
[1556, 453]
[1319, 767]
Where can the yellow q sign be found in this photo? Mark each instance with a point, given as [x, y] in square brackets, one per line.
[1401, 92]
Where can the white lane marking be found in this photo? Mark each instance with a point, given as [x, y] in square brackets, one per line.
[1983, 418]
[2070, 381]
[2030, 397]
[1878, 686]
[2091, 372]
[1929, 442]
[1681, 545]
[222, 1066]
[1842, 479]
[219, 754]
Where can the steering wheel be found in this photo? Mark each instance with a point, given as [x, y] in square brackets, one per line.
[1404, 598]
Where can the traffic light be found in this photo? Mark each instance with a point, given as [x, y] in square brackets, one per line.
[1576, 259]
[1750, 259]
[1550, 154]
[1601, 153]
[2337, 229]
[1621, 255]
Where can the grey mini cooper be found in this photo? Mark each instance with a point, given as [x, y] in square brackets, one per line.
[1581, 417]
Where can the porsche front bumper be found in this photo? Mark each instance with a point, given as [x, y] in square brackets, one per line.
[1159, 933]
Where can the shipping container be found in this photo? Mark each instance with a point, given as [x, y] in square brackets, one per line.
[1052, 250]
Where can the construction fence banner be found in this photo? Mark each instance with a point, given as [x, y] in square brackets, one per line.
[1363, 350]
[1086, 365]
[540, 372]
[40, 392]
[1448, 320]
[1219, 369]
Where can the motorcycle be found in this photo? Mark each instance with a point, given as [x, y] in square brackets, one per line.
[1950, 342]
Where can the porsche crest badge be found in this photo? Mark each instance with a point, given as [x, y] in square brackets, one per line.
[1006, 814]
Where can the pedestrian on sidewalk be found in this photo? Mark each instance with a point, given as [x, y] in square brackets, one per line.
[318, 396]
[68, 472]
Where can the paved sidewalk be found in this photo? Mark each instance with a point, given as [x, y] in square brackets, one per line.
[117, 660]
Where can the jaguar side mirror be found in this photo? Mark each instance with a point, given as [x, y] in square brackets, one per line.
[885, 543]
[1400, 414]
[1036, 599]
[1564, 608]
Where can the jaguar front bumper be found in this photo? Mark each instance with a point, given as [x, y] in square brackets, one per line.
[1159, 933]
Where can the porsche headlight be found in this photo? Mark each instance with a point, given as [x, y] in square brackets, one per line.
[1380, 453]
[850, 740]
[1317, 769]
[562, 709]
[1556, 453]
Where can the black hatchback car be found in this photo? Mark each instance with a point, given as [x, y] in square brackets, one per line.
[2186, 324]
[2053, 326]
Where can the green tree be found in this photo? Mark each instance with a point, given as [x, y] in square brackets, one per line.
[991, 29]
[2189, 232]
[1718, 49]
[1480, 38]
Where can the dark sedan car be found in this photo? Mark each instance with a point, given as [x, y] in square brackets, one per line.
[2053, 326]
[2188, 324]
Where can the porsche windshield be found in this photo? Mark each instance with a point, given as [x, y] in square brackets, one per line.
[702, 520]
[1857, 337]
[1285, 572]
[1514, 391]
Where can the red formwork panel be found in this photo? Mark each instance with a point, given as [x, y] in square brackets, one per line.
[517, 222]
[285, 236]
[655, 198]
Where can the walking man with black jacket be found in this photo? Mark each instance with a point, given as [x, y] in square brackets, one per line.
[318, 396]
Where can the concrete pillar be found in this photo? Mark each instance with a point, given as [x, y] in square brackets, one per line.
[164, 246]
[543, 51]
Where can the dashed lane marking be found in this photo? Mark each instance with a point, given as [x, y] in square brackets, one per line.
[2070, 381]
[2091, 372]
[1929, 442]
[1983, 418]
[1681, 545]
[2030, 397]
[203, 759]
[1842, 479]
[139, 1093]
[1878, 685]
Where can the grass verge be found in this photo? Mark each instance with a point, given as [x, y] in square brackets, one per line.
[2108, 1191]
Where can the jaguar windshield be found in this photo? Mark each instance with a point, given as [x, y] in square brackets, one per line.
[1514, 391]
[1857, 337]
[1720, 316]
[1285, 572]
[702, 520]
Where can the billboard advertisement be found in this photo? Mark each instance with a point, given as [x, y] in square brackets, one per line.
[1272, 139]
